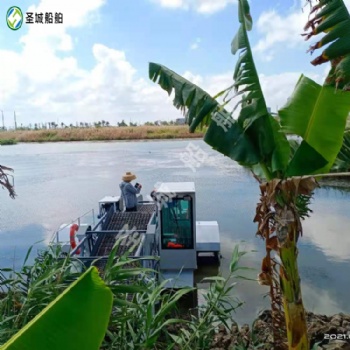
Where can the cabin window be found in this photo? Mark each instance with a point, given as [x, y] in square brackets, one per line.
[177, 224]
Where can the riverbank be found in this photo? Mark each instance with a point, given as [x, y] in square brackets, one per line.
[324, 332]
[101, 134]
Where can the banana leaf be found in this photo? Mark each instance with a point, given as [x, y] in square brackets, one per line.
[77, 319]
[224, 134]
[342, 162]
[254, 137]
[318, 114]
[332, 18]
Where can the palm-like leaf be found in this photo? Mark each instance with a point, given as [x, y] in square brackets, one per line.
[342, 162]
[332, 17]
[318, 114]
[251, 139]
[77, 319]
[226, 136]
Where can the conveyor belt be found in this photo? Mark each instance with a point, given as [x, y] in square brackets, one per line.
[129, 221]
[125, 221]
[146, 208]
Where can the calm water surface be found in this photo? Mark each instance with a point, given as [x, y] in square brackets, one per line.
[57, 182]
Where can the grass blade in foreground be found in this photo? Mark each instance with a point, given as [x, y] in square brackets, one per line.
[77, 319]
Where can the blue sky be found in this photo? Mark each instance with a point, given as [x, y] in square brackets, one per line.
[95, 65]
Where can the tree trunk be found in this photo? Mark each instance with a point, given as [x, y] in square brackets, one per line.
[287, 233]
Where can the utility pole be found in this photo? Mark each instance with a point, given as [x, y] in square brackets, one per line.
[3, 124]
[14, 115]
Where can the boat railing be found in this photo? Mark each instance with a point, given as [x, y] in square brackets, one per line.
[78, 220]
[90, 243]
[151, 262]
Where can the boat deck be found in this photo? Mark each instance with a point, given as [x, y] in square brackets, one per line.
[129, 228]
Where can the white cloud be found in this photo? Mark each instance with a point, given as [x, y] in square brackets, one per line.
[55, 36]
[195, 79]
[319, 300]
[43, 86]
[280, 32]
[201, 6]
[195, 44]
[327, 233]
[278, 88]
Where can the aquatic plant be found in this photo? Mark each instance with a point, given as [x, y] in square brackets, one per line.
[142, 314]
[217, 310]
[257, 140]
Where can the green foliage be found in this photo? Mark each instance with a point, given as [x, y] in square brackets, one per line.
[342, 162]
[251, 139]
[122, 123]
[29, 291]
[85, 304]
[318, 114]
[218, 309]
[201, 107]
[142, 315]
[255, 139]
[5, 142]
[332, 18]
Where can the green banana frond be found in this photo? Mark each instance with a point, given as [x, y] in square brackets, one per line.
[317, 114]
[255, 136]
[224, 134]
[245, 76]
[254, 116]
[342, 162]
[332, 18]
[193, 101]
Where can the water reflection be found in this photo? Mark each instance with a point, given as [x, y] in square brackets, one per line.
[14, 248]
[58, 182]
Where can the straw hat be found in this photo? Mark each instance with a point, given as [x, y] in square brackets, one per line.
[129, 176]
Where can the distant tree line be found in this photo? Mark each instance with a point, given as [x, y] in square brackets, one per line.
[98, 124]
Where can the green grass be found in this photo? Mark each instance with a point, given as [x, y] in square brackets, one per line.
[6, 142]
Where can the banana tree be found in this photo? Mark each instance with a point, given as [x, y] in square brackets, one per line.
[257, 141]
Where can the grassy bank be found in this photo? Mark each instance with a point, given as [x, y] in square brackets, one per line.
[101, 134]
[144, 315]
[5, 142]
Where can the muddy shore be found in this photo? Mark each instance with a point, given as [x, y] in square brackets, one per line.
[320, 327]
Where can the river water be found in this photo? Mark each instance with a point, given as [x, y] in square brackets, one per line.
[57, 182]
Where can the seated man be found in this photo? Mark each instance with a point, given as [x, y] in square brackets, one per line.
[129, 191]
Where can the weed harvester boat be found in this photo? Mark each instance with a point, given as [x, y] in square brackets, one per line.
[164, 227]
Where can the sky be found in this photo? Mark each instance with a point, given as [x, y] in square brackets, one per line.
[94, 66]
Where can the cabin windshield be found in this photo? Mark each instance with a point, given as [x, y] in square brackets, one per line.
[177, 224]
